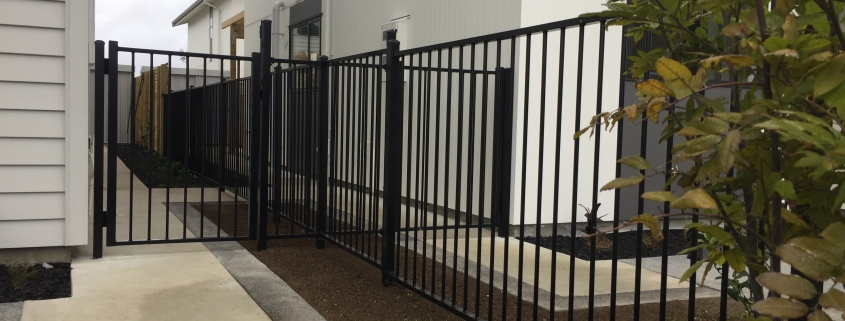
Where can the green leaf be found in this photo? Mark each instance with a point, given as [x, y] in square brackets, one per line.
[696, 198]
[635, 162]
[722, 236]
[833, 299]
[661, 196]
[786, 190]
[623, 182]
[817, 258]
[676, 75]
[835, 233]
[731, 117]
[819, 315]
[821, 25]
[781, 308]
[830, 77]
[727, 149]
[775, 44]
[652, 223]
[793, 218]
[792, 286]
[711, 125]
[691, 270]
[736, 259]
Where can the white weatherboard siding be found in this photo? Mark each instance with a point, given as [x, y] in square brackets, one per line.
[43, 122]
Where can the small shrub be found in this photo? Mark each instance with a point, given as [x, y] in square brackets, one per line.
[20, 272]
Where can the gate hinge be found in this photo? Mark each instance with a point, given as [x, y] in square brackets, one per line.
[105, 218]
[105, 66]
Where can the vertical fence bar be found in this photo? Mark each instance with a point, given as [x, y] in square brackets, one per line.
[254, 145]
[393, 157]
[265, 84]
[323, 153]
[99, 113]
[111, 201]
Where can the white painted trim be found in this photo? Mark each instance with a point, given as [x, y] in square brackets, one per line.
[76, 192]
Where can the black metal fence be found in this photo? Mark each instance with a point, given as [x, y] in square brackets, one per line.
[450, 167]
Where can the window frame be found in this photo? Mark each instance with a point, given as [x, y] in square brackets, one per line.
[306, 22]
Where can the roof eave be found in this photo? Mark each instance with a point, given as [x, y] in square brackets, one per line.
[182, 18]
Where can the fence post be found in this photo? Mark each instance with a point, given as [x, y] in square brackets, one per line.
[323, 153]
[502, 149]
[99, 127]
[392, 157]
[266, 77]
[111, 201]
[254, 145]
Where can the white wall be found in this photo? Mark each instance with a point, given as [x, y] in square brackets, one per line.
[44, 56]
[536, 12]
[198, 30]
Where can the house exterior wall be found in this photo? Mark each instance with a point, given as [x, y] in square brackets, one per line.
[536, 12]
[44, 60]
[198, 30]
[352, 27]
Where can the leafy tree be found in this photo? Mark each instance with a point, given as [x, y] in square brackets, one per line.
[766, 166]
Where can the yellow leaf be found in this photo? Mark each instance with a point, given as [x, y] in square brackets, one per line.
[696, 198]
[740, 60]
[653, 88]
[790, 28]
[652, 223]
[793, 286]
[735, 29]
[631, 112]
[661, 196]
[727, 147]
[819, 315]
[711, 63]
[623, 182]
[676, 75]
[654, 108]
[781, 308]
[834, 299]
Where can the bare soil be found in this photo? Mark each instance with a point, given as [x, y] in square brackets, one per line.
[45, 284]
[342, 286]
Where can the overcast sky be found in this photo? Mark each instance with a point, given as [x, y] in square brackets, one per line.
[142, 24]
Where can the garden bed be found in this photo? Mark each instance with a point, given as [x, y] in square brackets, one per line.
[152, 168]
[627, 248]
[43, 283]
[341, 286]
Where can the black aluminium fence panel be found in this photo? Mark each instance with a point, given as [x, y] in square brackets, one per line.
[444, 166]
[198, 159]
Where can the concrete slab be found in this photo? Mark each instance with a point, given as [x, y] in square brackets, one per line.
[270, 292]
[178, 286]
[149, 282]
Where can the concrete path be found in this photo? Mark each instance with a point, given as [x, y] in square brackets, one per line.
[154, 282]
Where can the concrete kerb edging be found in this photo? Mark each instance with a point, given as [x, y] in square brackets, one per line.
[270, 292]
[11, 311]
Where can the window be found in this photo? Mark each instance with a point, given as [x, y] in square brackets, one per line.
[305, 40]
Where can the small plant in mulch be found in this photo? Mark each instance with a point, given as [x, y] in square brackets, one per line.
[19, 272]
[22, 281]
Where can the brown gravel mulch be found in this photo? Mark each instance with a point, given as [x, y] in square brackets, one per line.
[342, 286]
